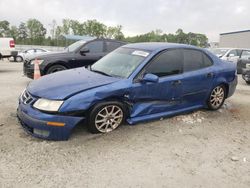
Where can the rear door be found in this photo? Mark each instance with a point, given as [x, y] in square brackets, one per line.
[197, 77]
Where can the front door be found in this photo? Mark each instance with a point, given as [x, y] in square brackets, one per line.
[96, 52]
[152, 98]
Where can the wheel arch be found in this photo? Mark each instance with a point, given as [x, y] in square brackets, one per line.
[125, 103]
[226, 85]
[63, 63]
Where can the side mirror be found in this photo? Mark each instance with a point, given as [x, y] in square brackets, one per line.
[150, 78]
[84, 51]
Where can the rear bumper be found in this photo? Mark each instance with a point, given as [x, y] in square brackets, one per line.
[232, 86]
[35, 122]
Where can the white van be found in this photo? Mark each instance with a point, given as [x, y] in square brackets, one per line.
[7, 48]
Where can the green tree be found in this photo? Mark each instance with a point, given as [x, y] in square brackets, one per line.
[66, 26]
[94, 28]
[4, 28]
[53, 25]
[14, 32]
[76, 27]
[22, 32]
[114, 33]
[36, 31]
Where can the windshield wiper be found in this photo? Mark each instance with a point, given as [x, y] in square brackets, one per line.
[100, 72]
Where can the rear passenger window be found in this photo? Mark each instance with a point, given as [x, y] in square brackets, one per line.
[194, 60]
[111, 46]
[167, 63]
[206, 61]
[95, 47]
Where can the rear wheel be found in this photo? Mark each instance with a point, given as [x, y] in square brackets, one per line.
[217, 97]
[55, 68]
[106, 117]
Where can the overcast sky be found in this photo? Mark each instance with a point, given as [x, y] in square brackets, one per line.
[210, 17]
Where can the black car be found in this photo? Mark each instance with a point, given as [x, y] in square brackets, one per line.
[244, 61]
[246, 75]
[79, 54]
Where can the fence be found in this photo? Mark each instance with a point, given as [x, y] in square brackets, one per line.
[50, 48]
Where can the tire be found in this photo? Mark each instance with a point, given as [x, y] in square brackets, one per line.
[106, 117]
[217, 97]
[19, 59]
[248, 82]
[55, 68]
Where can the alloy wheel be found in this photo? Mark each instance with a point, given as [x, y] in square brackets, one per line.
[108, 118]
[217, 97]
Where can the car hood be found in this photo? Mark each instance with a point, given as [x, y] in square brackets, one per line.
[64, 84]
[50, 55]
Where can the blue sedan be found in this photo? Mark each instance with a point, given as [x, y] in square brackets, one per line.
[136, 82]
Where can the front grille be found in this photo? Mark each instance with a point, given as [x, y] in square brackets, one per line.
[26, 98]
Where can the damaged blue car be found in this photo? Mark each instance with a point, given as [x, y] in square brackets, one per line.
[136, 82]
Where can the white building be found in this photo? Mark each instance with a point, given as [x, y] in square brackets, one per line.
[237, 39]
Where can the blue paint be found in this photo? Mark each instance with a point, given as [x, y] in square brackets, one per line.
[149, 99]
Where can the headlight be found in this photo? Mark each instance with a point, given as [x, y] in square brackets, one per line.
[40, 61]
[48, 105]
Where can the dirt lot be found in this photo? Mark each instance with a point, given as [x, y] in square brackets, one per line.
[201, 149]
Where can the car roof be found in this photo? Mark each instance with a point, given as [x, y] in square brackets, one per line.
[111, 40]
[153, 46]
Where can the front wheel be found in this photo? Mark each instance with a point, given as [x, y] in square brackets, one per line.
[217, 97]
[106, 117]
[55, 68]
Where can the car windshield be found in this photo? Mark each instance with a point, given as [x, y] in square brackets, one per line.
[75, 46]
[219, 52]
[120, 63]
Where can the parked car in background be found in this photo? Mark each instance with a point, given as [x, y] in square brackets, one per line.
[7, 47]
[135, 83]
[229, 54]
[28, 54]
[246, 75]
[79, 54]
[244, 61]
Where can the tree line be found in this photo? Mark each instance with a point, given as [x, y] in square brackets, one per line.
[33, 32]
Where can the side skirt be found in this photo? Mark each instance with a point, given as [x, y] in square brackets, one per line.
[149, 117]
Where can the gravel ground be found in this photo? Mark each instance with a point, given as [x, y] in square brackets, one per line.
[200, 149]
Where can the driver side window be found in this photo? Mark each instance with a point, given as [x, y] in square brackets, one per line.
[95, 47]
[167, 63]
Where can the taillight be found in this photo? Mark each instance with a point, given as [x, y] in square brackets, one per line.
[12, 43]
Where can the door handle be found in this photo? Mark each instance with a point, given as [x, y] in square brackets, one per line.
[210, 75]
[176, 82]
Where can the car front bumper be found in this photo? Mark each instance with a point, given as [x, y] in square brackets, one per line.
[28, 70]
[35, 123]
